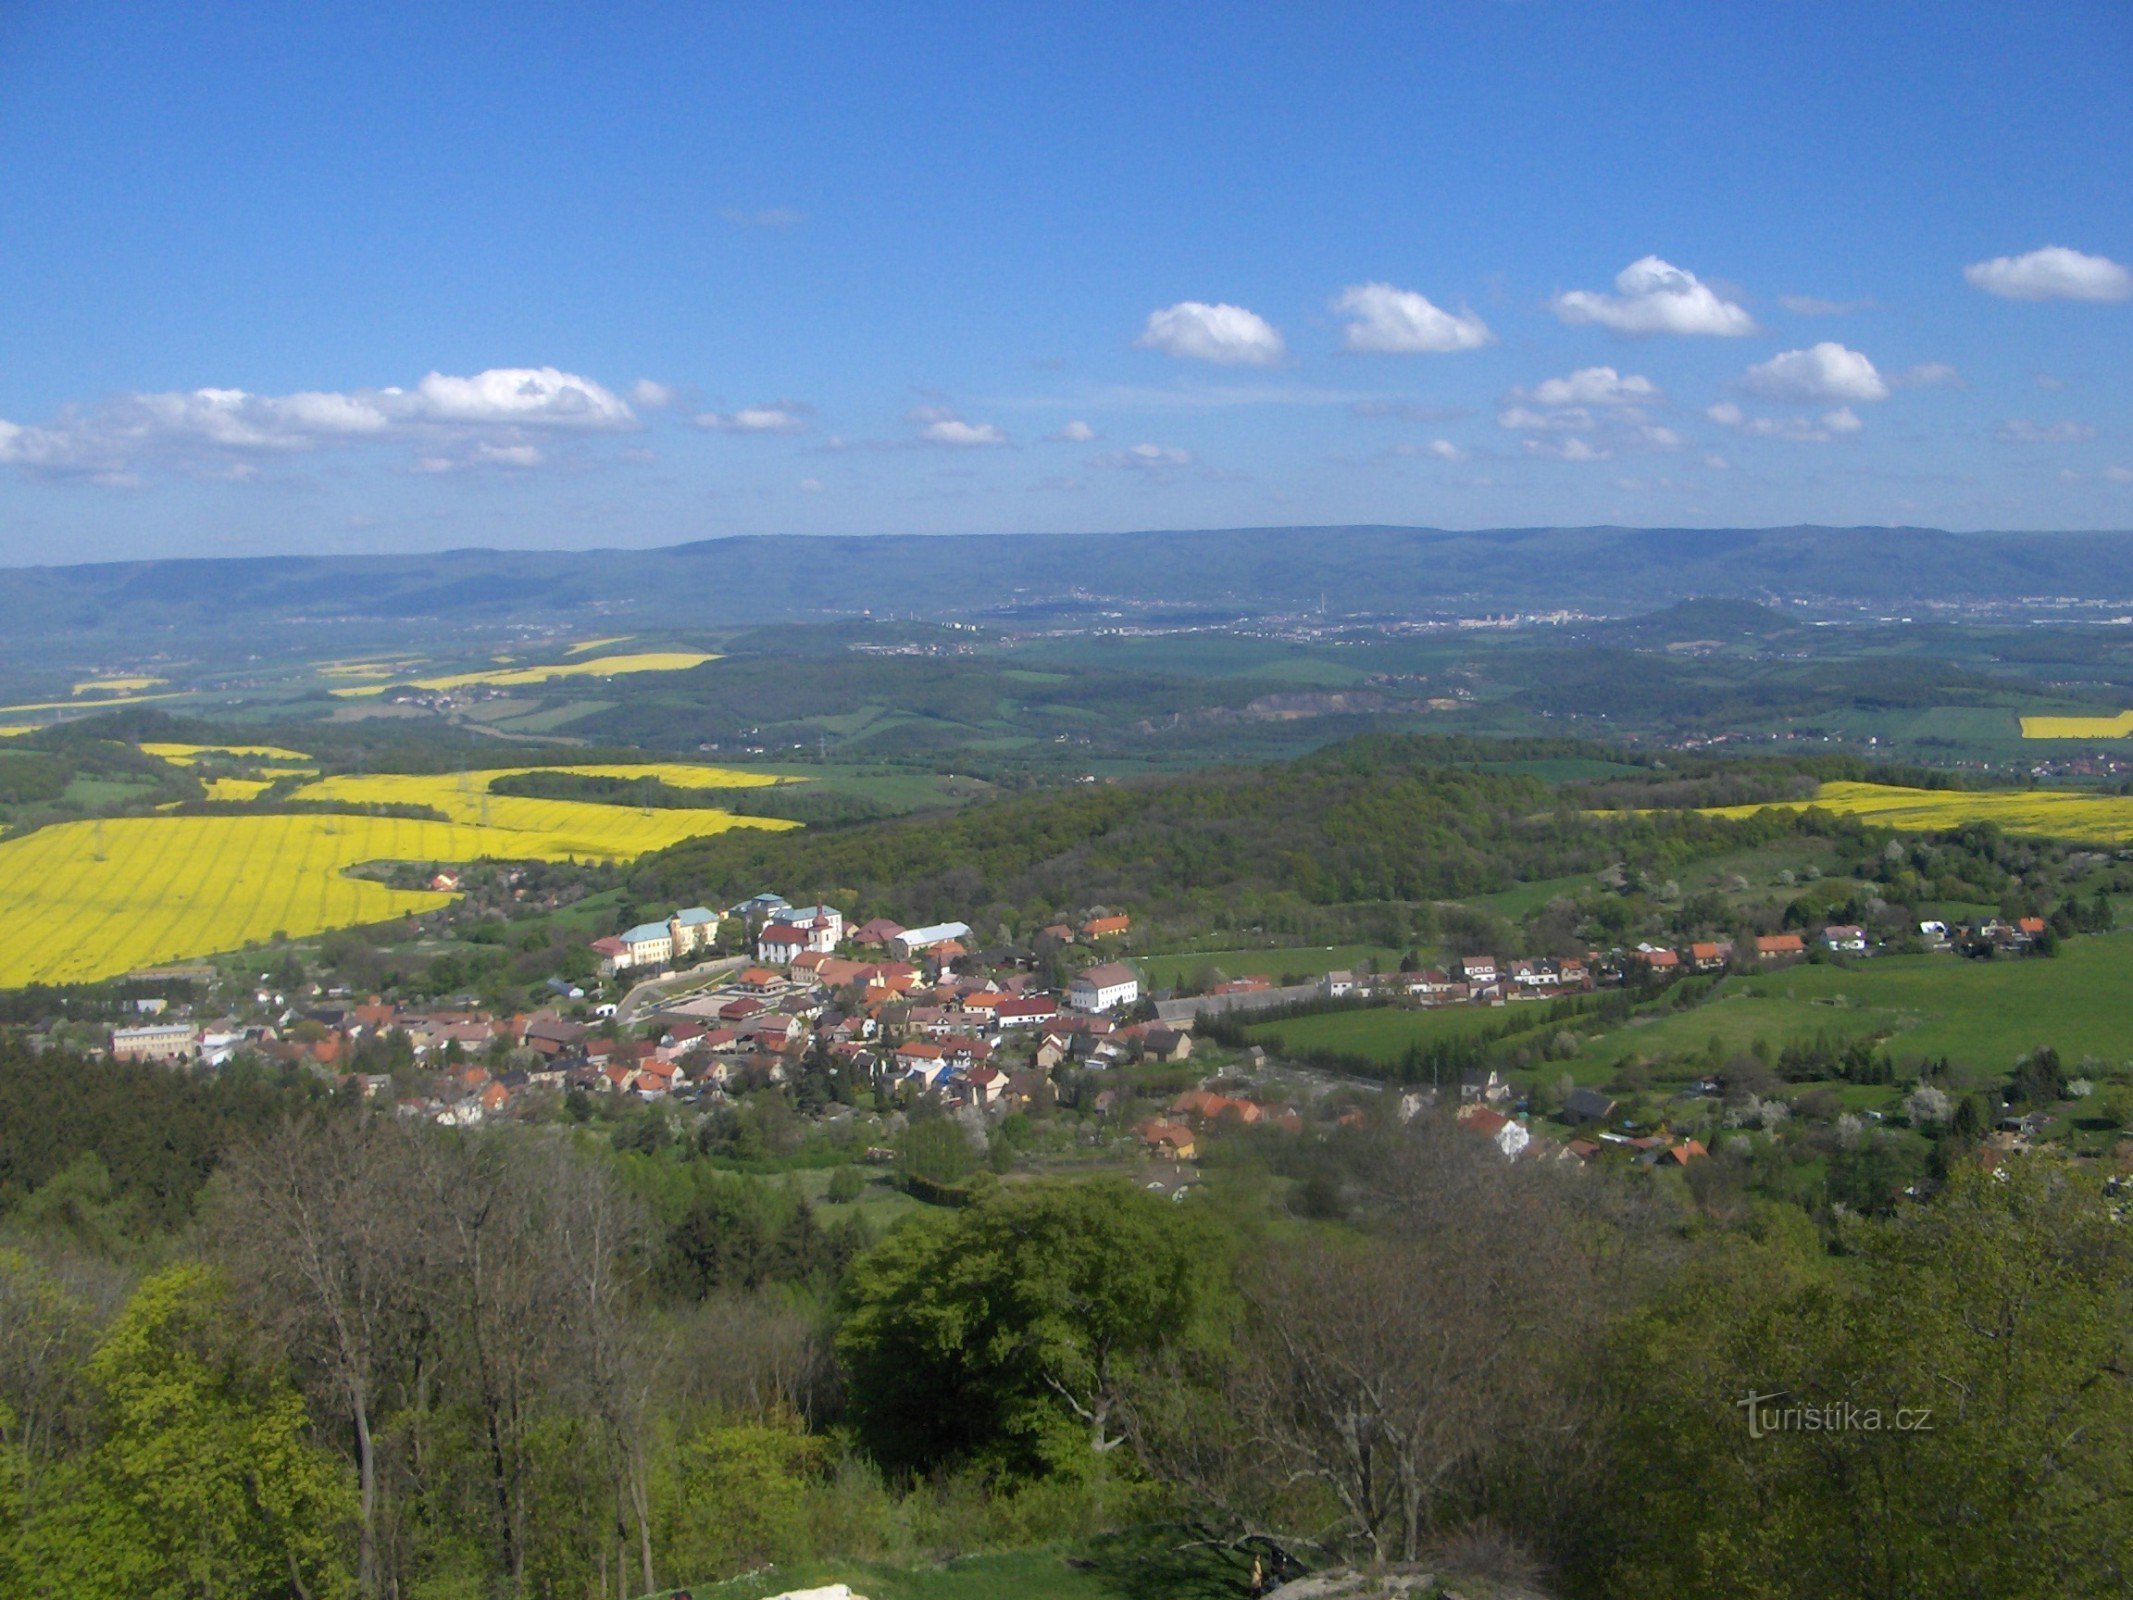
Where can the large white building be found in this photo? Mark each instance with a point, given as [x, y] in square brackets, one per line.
[916, 941]
[1104, 988]
[158, 1041]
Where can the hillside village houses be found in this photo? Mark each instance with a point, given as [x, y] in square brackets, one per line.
[918, 1010]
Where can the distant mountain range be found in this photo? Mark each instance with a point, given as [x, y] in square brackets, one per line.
[1244, 571]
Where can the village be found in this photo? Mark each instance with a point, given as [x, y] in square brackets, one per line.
[707, 1007]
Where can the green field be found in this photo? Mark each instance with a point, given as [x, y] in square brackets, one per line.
[1516, 902]
[1981, 1015]
[1303, 961]
[1986, 1013]
[1386, 1033]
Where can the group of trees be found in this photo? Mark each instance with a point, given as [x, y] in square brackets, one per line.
[376, 1358]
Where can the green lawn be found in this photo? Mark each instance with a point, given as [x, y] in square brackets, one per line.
[1736, 1018]
[1302, 961]
[1986, 1013]
[1517, 901]
[1982, 1015]
[1386, 1033]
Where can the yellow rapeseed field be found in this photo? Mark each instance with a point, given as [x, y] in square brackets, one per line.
[2053, 813]
[2117, 727]
[584, 645]
[117, 685]
[237, 788]
[559, 828]
[191, 755]
[597, 667]
[86, 900]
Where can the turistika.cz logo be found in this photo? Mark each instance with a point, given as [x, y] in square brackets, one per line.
[1777, 1412]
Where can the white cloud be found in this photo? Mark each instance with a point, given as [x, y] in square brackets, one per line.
[2022, 431]
[1145, 457]
[2046, 381]
[1076, 432]
[811, 486]
[777, 416]
[522, 396]
[1572, 449]
[1389, 321]
[939, 425]
[2053, 273]
[652, 395]
[1826, 371]
[1596, 386]
[1808, 305]
[1798, 430]
[103, 441]
[1225, 334]
[1652, 296]
[1524, 419]
[1717, 463]
[2119, 474]
[1445, 450]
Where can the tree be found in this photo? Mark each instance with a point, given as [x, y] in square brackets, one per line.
[1967, 1367]
[1008, 1335]
[313, 1223]
[204, 1482]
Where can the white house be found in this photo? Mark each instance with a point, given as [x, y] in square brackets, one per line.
[780, 944]
[692, 929]
[913, 941]
[818, 917]
[1844, 936]
[649, 944]
[1339, 985]
[1103, 988]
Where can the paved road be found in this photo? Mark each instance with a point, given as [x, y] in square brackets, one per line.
[656, 991]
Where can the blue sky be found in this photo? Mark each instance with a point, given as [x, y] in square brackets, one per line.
[383, 277]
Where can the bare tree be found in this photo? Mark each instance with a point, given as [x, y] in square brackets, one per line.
[314, 1224]
[1389, 1386]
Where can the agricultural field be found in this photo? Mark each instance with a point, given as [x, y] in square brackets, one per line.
[115, 685]
[192, 755]
[1980, 1015]
[596, 667]
[1985, 1014]
[2118, 727]
[1302, 961]
[2052, 813]
[85, 900]
[1385, 1033]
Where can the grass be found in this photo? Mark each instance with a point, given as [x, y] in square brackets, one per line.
[1304, 961]
[1515, 902]
[596, 667]
[1981, 1015]
[98, 792]
[1737, 1018]
[1984, 1014]
[2052, 813]
[1384, 1033]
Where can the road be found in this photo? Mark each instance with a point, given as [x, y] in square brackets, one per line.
[656, 991]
